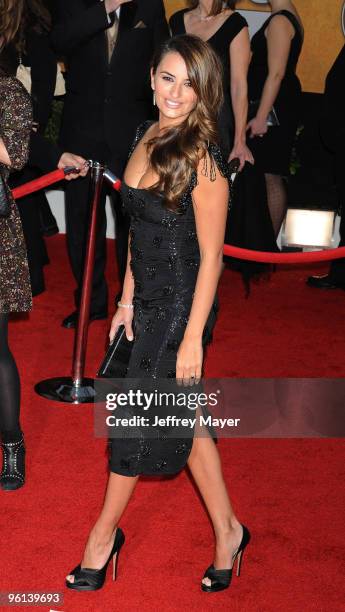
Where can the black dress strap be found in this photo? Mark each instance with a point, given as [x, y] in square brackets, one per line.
[216, 159]
[216, 154]
[141, 130]
[235, 24]
[176, 22]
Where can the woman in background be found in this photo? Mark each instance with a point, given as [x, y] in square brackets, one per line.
[15, 290]
[273, 83]
[16, 138]
[226, 31]
[30, 48]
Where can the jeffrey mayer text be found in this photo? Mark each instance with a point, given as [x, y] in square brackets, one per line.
[170, 421]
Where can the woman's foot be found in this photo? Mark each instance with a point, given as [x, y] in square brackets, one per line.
[227, 545]
[97, 551]
[12, 475]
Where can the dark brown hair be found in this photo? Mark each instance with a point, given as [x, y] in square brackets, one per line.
[177, 152]
[217, 5]
[11, 14]
[18, 16]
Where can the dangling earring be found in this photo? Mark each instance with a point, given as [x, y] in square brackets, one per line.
[154, 98]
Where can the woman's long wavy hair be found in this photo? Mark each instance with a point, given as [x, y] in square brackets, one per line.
[17, 17]
[217, 6]
[176, 153]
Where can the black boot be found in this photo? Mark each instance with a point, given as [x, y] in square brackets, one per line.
[12, 476]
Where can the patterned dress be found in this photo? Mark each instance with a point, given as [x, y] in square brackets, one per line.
[165, 261]
[15, 126]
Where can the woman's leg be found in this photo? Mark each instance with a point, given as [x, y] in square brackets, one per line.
[276, 200]
[9, 388]
[205, 466]
[13, 469]
[101, 538]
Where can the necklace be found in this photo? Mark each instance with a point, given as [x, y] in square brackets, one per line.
[207, 17]
[204, 17]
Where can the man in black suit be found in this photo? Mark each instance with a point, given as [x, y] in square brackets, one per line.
[333, 136]
[108, 46]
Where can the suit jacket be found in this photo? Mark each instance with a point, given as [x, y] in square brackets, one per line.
[106, 102]
[40, 58]
[333, 119]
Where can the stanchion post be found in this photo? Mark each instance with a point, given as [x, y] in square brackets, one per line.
[80, 343]
[77, 389]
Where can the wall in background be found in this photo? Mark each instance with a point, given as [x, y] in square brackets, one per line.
[323, 36]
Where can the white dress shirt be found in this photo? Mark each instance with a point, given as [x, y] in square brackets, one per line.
[117, 13]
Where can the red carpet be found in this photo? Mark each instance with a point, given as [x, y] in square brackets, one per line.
[289, 492]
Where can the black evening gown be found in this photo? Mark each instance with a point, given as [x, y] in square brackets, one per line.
[272, 153]
[249, 224]
[220, 42]
[165, 261]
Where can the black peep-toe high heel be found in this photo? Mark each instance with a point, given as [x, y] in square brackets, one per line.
[86, 579]
[221, 579]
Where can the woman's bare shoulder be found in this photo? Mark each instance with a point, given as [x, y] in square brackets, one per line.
[281, 24]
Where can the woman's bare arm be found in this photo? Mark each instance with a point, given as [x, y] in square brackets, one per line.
[124, 316]
[210, 202]
[279, 35]
[128, 284]
[239, 62]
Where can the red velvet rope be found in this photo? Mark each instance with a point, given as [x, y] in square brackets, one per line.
[232, 251]
[284, 258]
[37, 184]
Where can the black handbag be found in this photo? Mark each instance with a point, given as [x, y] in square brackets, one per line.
[115, 362]
[5, 202]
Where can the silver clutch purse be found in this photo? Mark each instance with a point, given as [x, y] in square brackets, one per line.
[272, 119]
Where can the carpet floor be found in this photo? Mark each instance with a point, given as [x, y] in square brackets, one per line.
[289, 492]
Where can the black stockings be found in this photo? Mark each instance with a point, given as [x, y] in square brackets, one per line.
[276, 200]
[9, 387]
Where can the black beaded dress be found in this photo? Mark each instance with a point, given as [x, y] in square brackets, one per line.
[165, 261]
[220, 43]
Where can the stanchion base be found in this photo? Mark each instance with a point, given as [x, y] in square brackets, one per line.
[64, 389]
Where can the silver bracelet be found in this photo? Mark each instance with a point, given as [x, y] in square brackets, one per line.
[120, 305]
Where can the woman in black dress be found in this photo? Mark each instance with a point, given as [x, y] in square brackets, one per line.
[226, 31]
[176, 191]
[273, 83]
